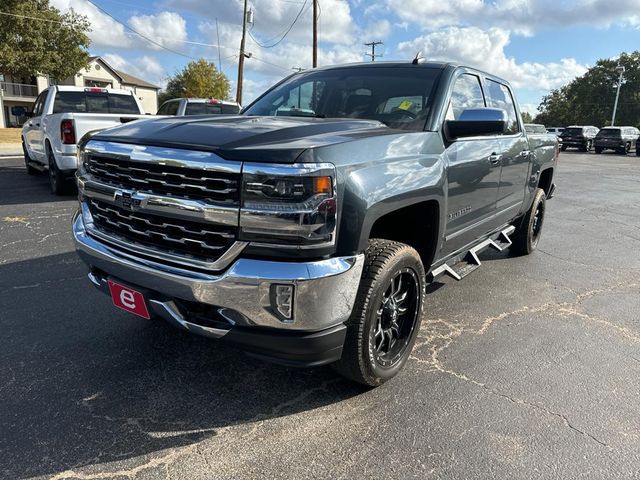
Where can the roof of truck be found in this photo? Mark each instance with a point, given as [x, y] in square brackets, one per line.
[439, 65]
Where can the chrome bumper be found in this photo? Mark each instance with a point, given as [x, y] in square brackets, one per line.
[324, 291]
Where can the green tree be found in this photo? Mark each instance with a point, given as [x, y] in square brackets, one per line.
[199, 79]
[56, 45]
[589, 99]
[526, 117]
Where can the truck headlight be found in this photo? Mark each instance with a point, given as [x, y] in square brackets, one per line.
[288, 206]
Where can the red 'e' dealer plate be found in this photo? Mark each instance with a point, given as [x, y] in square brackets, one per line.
[128, 299]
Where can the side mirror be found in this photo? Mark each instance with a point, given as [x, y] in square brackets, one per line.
[475, 122]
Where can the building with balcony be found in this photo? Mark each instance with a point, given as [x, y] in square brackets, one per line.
[22, 92]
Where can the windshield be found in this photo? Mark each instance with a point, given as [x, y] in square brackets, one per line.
[571, 131]
[609, 132]
[94, 102]
[397, 97]
[210, 109]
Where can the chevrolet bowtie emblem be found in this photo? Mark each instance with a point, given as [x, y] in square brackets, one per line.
[127, 200]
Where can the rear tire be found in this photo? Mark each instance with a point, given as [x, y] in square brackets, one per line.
[527, 235]
[59, 184]
[27, 161]
[386, 316]
[598, 150]
[563, 148]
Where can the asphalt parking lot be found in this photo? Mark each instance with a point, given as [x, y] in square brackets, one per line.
[528, 368]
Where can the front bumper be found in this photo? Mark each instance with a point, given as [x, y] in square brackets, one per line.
[240, 298]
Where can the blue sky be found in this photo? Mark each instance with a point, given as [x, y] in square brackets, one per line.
[536, 44]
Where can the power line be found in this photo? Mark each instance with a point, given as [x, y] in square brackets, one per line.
[140, 34]
[285, 33]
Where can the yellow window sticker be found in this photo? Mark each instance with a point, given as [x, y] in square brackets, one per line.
[406, 105]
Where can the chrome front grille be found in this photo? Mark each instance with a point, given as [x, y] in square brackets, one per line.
[163, 179]
[185, 239]
[168, 205]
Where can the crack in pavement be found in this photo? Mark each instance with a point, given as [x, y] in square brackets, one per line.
[432, 333]
[195, 448]
[40, 284]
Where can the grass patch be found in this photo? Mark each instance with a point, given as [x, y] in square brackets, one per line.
[10, 135]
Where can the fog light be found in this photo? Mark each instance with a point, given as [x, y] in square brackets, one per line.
[282, 300]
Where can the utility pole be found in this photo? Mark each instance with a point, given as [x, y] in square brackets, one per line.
[620, 70]
[218, 37]
[373, 50]
[242, 55]
[315, 33]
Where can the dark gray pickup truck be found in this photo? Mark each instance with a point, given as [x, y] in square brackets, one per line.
[305, 229]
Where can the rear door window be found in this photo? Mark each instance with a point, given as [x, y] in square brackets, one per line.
[39, 104]
[500, 97]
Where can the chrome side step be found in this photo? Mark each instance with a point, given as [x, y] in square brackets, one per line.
[462, 265]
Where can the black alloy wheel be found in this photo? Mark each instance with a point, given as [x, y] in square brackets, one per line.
[395, 318]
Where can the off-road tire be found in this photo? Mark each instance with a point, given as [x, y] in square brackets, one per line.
[587, 146]
[527, 235]
[27, 161]
[384, 260]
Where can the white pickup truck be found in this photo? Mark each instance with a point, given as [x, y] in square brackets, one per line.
[61, 116]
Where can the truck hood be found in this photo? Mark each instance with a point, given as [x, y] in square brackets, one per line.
[266, 139]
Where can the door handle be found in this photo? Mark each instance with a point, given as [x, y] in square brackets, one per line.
[495, 158]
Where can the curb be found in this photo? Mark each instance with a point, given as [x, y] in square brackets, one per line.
[11, 154]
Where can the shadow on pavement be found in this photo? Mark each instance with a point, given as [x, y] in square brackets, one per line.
[82, 383]
[16, 187]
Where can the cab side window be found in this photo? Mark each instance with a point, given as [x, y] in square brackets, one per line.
[168, 108]
[467, 93]
[38, 105]
[500, 97]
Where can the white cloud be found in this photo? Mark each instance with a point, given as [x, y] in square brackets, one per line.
[144, 67]
[530, 108]
[167, 28]
[521, 16]
[105, 32]
[484, 49]
[273, 18]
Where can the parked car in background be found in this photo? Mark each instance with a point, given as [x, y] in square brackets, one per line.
[61, 116]
[535, 129]
[638, 147]
[198, 106]
[581, 137]
[309, 238]
[619, 139]
[555, 130]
